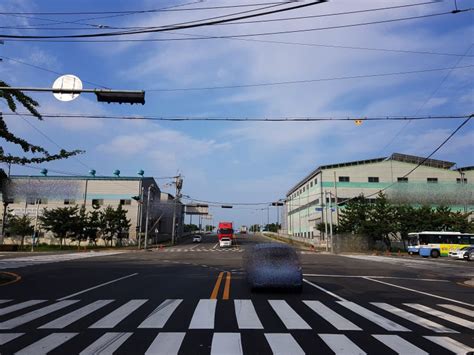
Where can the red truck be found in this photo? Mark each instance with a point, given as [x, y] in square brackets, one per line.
[225, 233]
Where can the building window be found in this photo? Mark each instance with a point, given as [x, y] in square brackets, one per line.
[373, 179]
[461, 181]
[315, 181]
[69, 201]
[432, 180]
[311, 184]
[402, 179]
[125, 202]
[97, 202]
[344, 179]
[304, 188]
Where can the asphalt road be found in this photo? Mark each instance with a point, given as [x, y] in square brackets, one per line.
[193, 299]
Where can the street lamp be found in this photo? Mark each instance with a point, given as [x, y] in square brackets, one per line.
[152, 186]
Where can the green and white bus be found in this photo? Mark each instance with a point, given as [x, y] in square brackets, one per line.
[437, 244]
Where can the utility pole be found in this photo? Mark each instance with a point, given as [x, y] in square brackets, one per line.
[326, 221]
[330, 222]
[179, 186]
[5, 206]
[140, 221]
[36, 225]
[147, 215]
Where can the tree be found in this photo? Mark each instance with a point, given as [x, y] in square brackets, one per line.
[189, 228]
[61, 221]
[381, 221]
[353, 217]
[114, 224]
[272, 227]
[12, 97]
[210, 228]
[20, 226]
[255, 228]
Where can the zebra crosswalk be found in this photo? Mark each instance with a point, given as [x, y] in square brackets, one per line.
[16, 263]
[200, 250]
[281, 326]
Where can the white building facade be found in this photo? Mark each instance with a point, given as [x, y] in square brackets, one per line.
[435, 182]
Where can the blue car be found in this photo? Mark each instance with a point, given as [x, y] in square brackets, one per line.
[272, 265]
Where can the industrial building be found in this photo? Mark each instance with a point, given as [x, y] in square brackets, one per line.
[434, 182]
[30, 195]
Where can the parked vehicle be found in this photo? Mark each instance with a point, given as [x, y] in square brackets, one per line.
[197, 238]
[273, 265]
[225, 230]
[466, 253]
[437, 244]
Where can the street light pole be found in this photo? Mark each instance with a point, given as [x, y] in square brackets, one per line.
[147, 214]
[140, 222]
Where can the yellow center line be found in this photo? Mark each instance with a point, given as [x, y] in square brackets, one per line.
[225, 296]
[16, 276]
[217, 286]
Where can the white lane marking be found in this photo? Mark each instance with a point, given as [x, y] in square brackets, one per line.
[283, 344]
[19, 306]
[399, 345]
[426, 323]
[4, 301]
[215, 246]
[204, 314]
[106, 344]
[341, 345]
[226, 343]
[159, 317]
[246, 315]
[416, 291]
[94, 287]
[338, 321]
[385, 323]
[28, 317]
[288, 316]
[5, 338]
[114, 318]
[452, 307]
[74, 316]
[374, 277]
[45, 345]
[324, 290]
[166, 344]
[450, 344]
[434, 312]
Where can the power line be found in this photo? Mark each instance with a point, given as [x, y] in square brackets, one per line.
[292, 82]
[242, 22]
[52, 39]
[248, 119]
[185, 26]
[166, 9]
[46, 69]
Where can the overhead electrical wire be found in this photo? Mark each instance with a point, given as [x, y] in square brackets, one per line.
[305, 81]
[177, 27]
[166, 9]
[248, 119]
[53, 39]
[237, 22]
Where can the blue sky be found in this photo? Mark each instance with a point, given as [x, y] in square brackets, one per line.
[246, 162]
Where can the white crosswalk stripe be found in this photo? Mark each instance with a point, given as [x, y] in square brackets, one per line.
[450, 344]
[74, 316]
[246, 315]
[450, 318]
[283, 344]
[15, 263]
[373, 317]
[46, 344]
[166, 344]
[288, 316]
[341, 345]
[115, 317]
[399, 345]
[426, 323]
[107, 344]
[190, 250]
[4, 301]
[28, 317]
[19, 306]
[5, 338]
[452, 307]
[159, 317]
[204, 315]
[332, 317]
[226, 343]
